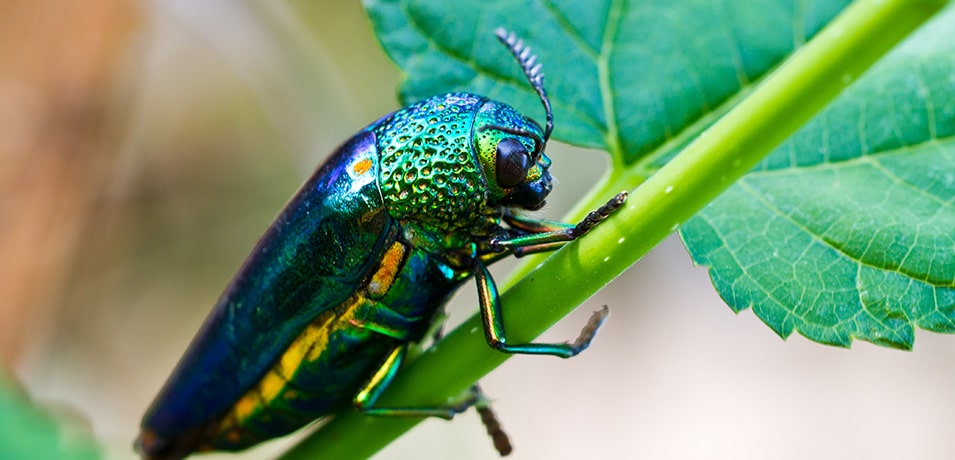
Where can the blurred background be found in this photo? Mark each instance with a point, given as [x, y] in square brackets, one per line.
[145, 146]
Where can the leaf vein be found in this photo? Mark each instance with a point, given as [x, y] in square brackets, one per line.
[565, 25]
[488, 73]
[759, 197]
[612, 136]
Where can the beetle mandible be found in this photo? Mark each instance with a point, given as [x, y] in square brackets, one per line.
[358, 266]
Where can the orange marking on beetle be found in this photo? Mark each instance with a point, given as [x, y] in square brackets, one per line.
[387, 271]
[362, 166]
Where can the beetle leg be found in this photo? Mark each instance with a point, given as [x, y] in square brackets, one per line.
[491, 315]
[536, 248]
[553, 234]
[384, 321]
[369, 394]
[483, 406]
[437, 331]
[531, 225]
[366, 398]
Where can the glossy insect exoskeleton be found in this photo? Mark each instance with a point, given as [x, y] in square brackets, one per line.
[357, 267]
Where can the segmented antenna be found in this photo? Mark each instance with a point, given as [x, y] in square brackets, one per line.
[532, 70]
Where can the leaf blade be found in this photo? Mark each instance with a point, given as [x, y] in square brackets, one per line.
[653, 67]
[860, 205]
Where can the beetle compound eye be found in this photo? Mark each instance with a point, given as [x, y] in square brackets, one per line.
[513, 161]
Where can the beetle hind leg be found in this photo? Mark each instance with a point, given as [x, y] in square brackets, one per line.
[502, 443]
[366, 398]
[372, 390]
[483, 407]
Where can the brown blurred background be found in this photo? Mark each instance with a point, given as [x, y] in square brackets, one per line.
[144, 147]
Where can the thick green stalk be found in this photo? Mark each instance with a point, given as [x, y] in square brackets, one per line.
[785, 101]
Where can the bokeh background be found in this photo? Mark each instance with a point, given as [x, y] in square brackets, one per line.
[144, 147]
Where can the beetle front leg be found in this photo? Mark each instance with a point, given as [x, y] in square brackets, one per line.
[492, 317]
[369, 394]
[547, 235]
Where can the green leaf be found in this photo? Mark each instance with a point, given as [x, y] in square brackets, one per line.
[626, 77]
[722, 123]
[847, 230]
[646, 78]
[26, 432]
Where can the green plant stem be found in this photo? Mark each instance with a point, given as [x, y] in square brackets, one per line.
[785, 101]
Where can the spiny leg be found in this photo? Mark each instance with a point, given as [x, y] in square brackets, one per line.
[492, 317]
[548, 235]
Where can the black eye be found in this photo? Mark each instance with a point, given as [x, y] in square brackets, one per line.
[513, 162]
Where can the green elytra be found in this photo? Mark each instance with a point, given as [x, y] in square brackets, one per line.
[359, 265]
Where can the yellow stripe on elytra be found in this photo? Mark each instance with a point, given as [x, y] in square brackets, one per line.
[314, 337]
[308, 346]
[246, 406]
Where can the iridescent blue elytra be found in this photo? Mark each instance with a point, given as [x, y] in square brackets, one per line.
[357, 267]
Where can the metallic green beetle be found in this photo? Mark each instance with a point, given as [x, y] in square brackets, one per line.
[357, 267]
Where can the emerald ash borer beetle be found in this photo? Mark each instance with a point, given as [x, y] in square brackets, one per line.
[359, 265]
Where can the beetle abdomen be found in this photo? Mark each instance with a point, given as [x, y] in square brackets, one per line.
[321, 248]
[329, 361]
[320, 370]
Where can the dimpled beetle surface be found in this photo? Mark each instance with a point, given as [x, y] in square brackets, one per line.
[357, 267]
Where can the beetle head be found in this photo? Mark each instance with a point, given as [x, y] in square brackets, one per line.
[510, 148]
[428, 173]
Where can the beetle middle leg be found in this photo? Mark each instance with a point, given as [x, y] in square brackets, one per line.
[541, 236]
[493, 319]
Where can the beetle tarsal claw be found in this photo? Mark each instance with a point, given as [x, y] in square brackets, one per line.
[495, 245]
[589, 331]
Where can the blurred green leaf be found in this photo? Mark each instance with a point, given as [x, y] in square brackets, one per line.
[847, 230]
[27, 432]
